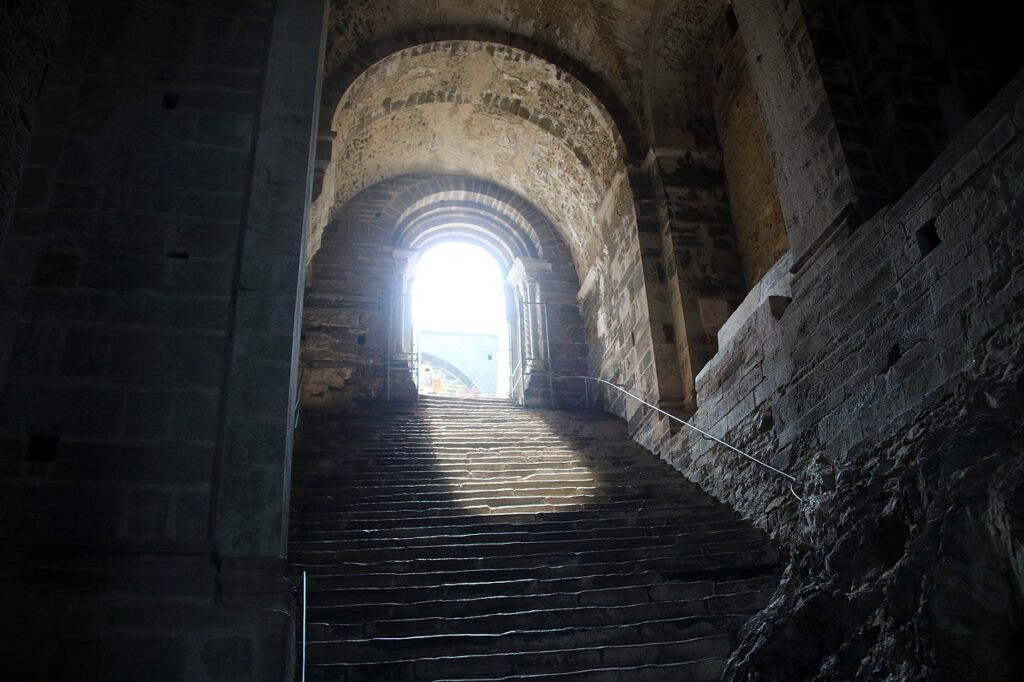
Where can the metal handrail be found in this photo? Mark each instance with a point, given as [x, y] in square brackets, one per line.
[305, 639]
[792, 480]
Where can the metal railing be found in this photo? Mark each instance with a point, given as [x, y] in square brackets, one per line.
[305, 593]
[586, 379]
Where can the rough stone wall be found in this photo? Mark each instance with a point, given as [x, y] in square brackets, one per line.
[753, 198]
[916, 312]
[29, 34]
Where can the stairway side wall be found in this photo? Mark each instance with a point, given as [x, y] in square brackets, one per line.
[914, 314]
[148, 334]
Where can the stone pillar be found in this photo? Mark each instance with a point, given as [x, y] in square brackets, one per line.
[816, 190]
[252, 469]
[400, 347]
[524, 278]
[401, 300]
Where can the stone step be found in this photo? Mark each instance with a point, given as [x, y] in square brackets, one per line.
[498, 498]
[390, 588]
[587, 589]
[704, 670]
[698, 512]
[675, 558]
[515, 507]
[725, 571]
[510, 533]
[548, 482]
[343, 550]
[337, 623]
[526, 663]
[531, 475]
[398, 648]
[525, 486]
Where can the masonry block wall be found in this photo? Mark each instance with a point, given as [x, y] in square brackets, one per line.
[29, 32]
[760, 229]
[142, 524]
[914, 313]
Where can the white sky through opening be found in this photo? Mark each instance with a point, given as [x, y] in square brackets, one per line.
[459, 288]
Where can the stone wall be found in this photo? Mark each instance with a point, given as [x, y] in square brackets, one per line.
[753, 198]
[900, 335]
[29, 33]
[903, 78]
[148, 339]
[817, 192]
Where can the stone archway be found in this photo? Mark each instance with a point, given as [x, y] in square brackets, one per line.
[357, 327]
[511, 118]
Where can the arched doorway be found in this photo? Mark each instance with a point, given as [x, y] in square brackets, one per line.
[460, 322]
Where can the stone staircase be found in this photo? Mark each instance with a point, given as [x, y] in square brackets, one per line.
[476, 540]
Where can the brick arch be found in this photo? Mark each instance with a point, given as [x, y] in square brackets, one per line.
[360, 267]
[340, 78]
[510, 224]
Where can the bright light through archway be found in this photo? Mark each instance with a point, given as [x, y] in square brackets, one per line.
[458, 307]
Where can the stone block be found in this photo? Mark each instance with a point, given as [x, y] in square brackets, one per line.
[125, 659]
[117, 272]
[146, 514]
[178, 466]
[187, 312]
[70, 306]
[34, 352]
[194, 416]
[55, 270]
[191, 515]
[147, 413]
[198, 277]
[85, 352]
[228, 658]
[961, 172]
[996, 139]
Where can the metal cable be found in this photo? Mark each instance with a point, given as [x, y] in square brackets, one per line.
[705, 434]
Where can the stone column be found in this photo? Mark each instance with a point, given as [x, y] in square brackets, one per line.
[524, 278]
[401, 300]
[816, 190]
[252, 470]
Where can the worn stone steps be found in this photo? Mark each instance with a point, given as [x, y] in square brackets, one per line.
[338, 590]
[428, 536]
[344, 550]
[515, 507]
[332, 623]
[584, 520]
[398, 648]
[692, 671]
[526, 663]
[472, 540]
